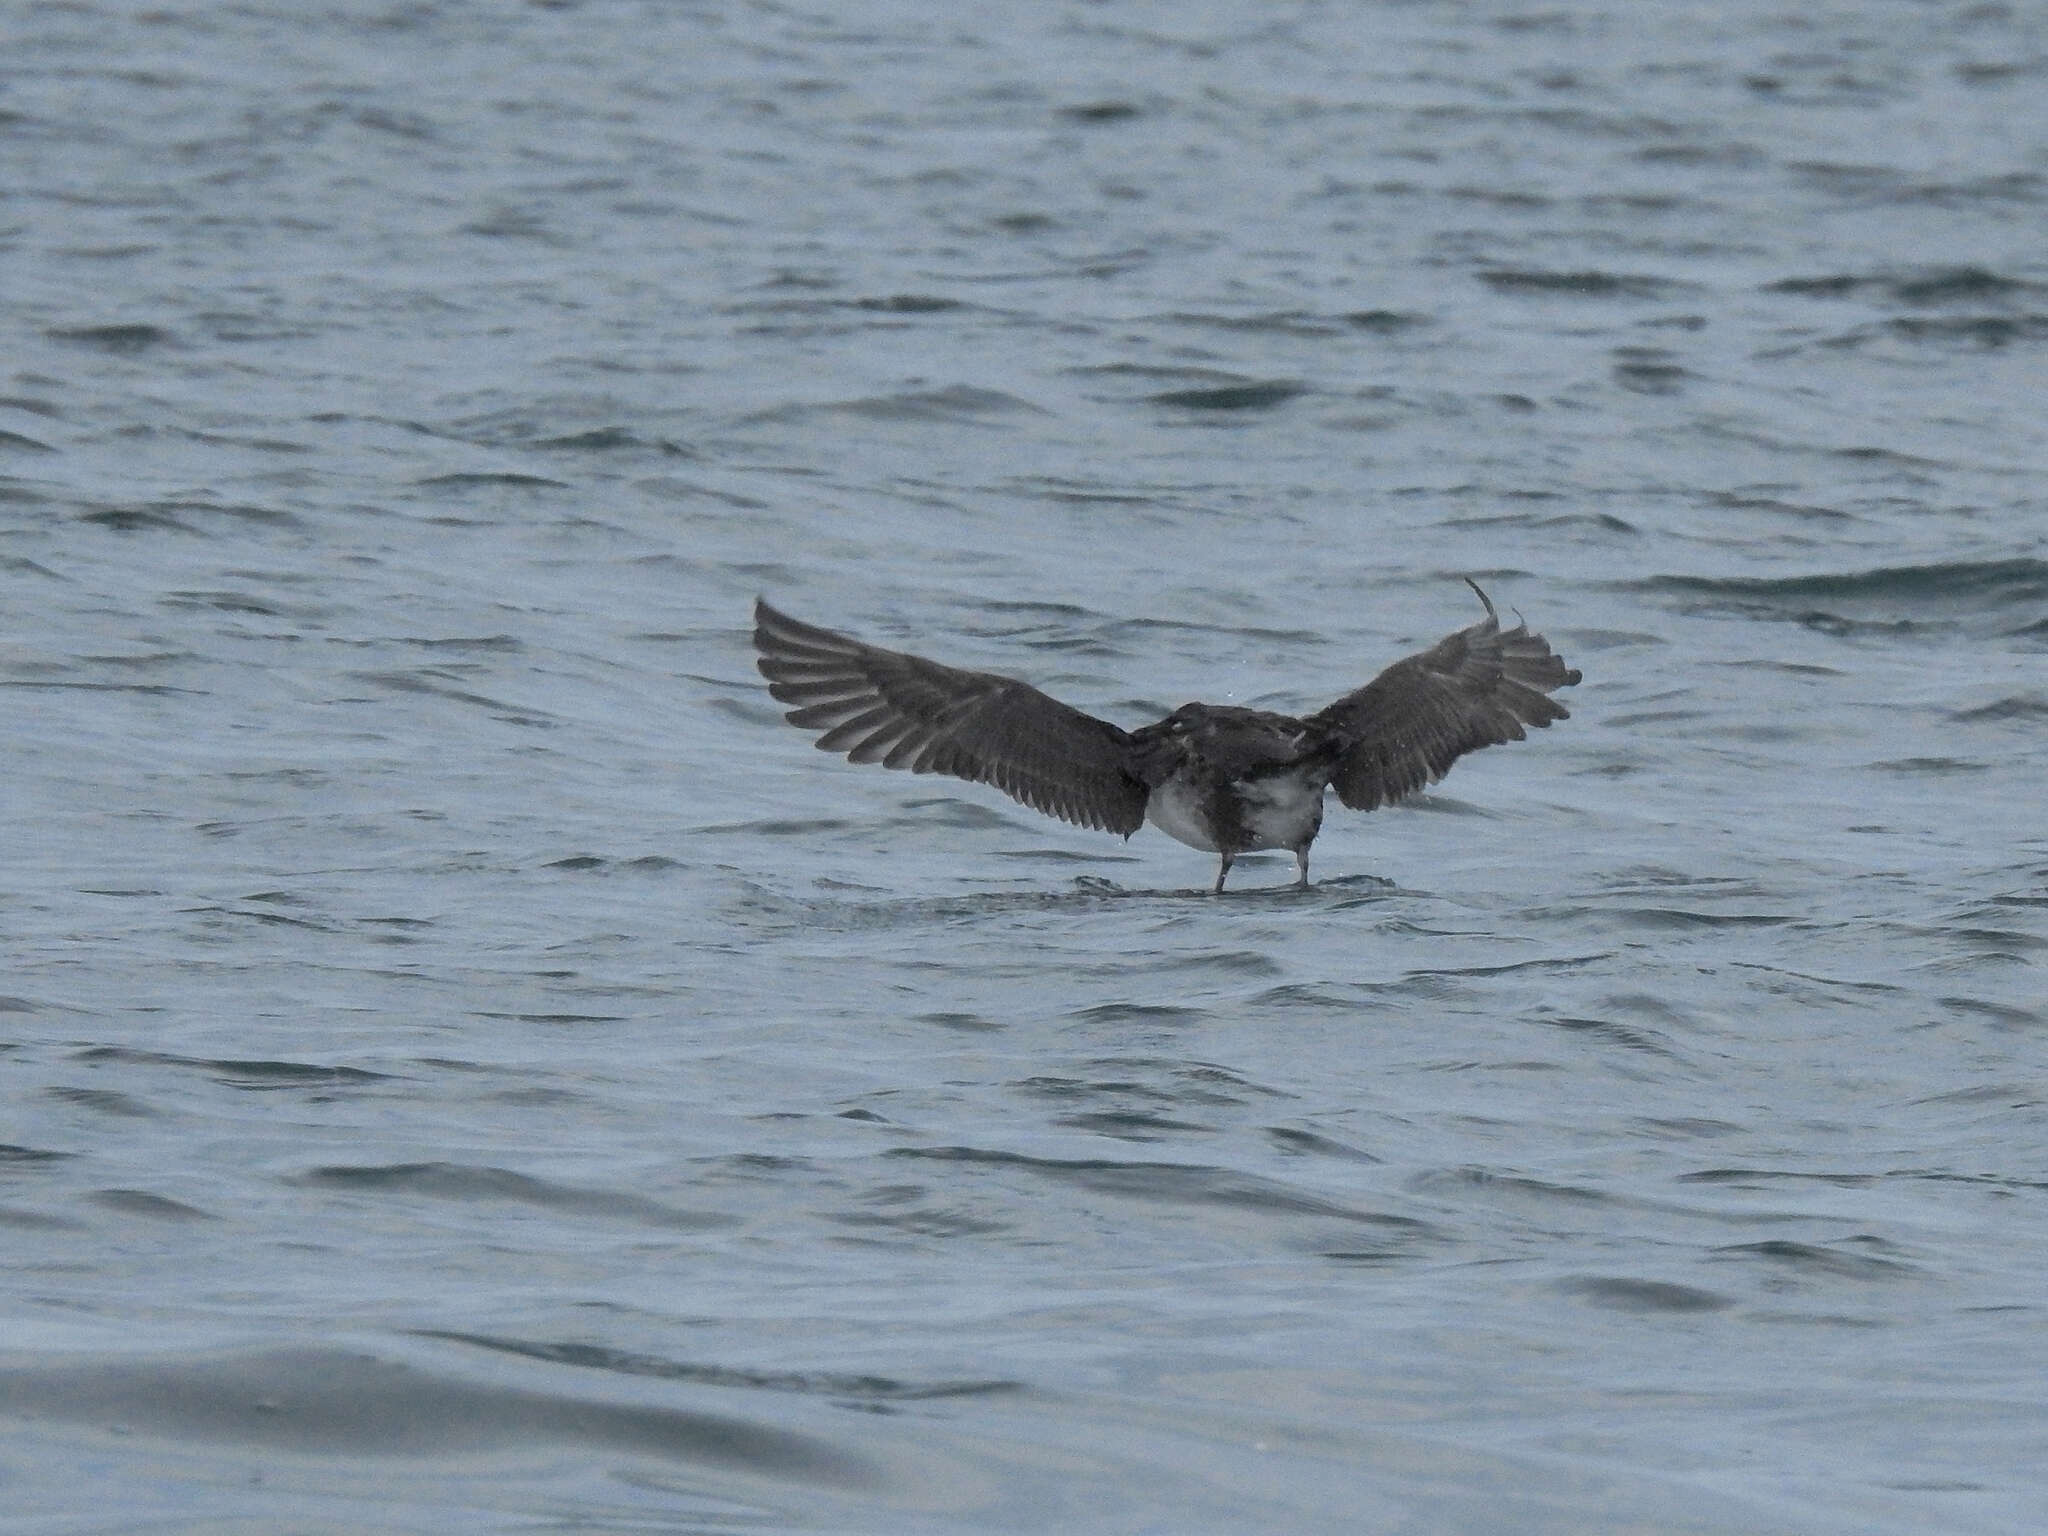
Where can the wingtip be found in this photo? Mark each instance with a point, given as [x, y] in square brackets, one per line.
[770, 620]
[1483, 598]
[770, 623]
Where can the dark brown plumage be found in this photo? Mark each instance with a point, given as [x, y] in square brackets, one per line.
[1217, 777]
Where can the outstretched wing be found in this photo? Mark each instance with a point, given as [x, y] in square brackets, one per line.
[902, 711]
[1476, 688]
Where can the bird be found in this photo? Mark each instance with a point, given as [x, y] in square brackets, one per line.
[1217, 777]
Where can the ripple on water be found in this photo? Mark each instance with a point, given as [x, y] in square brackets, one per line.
[254, 1074]
[1629, 1294]
[483, 1184]
[1172, 1184]
[344, 1403]
[826, 1384]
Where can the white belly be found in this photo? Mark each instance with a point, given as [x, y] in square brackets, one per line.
[1279, 812]
[1174, 809]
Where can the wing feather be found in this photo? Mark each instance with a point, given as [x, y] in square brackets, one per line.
[902, 711]
[1478, 687]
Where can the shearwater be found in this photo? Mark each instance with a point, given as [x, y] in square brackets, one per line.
[1217, 777]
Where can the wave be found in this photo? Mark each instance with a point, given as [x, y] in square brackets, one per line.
[831, 1384]
[340, 1402]
[1890, 599]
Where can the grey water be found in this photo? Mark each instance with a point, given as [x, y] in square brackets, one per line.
[466, 1065]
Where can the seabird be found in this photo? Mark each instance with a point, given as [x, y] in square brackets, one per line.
[1216, 777]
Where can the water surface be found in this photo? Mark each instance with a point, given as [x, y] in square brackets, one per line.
[470, 1066]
